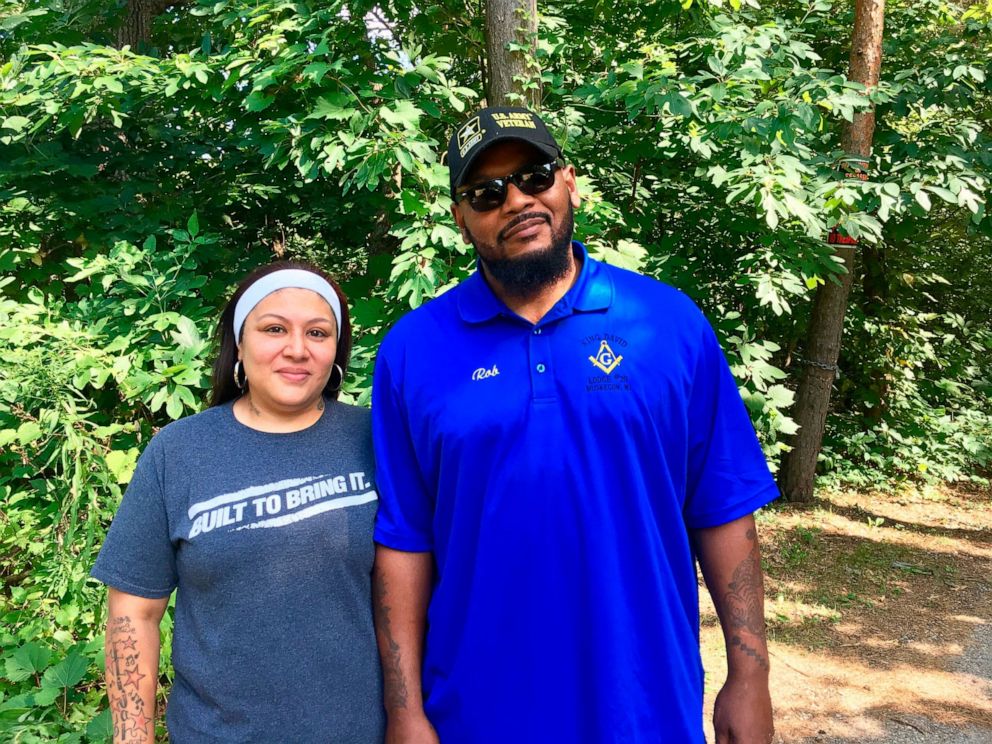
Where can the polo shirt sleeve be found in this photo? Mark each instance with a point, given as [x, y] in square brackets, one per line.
[406, 510]
[138, 556]
[728, 475]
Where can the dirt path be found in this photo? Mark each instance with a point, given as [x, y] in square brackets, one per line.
[879, 610]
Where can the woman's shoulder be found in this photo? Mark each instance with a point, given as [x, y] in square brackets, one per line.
[190, 430]
[348, 423]
[350, 410]
[347, 416]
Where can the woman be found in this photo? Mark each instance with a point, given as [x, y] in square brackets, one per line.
[259, 512]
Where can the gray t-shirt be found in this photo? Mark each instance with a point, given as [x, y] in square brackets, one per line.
[268, 538]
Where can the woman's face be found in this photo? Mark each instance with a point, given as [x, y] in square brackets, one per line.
[288, 345]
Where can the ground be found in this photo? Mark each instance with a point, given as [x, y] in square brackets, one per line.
[879, 610]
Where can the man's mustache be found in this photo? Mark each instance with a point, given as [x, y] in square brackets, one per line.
[522, 218]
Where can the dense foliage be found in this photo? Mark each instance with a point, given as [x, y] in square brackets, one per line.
[137, 184]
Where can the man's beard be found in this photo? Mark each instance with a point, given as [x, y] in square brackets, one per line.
[521, 276]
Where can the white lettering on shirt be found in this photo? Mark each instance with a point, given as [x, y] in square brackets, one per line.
[482, 373]
[275, 505]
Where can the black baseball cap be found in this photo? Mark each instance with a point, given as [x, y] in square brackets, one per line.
[495, 124]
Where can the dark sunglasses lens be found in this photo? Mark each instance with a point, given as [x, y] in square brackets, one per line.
[487, 196]
[491, 194]
[538, 180]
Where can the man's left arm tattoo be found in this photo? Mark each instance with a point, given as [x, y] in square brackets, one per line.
[743, 606]
[745, 593]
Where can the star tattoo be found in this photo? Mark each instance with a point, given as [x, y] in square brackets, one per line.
[133, 677]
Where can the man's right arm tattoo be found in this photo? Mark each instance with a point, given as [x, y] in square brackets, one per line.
[394, 683]
[129, 712]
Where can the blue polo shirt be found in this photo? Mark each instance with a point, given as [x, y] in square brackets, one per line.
[553, 470]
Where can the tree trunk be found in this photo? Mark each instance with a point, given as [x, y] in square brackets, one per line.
[136, 29]
[510, 72]
[798, 473]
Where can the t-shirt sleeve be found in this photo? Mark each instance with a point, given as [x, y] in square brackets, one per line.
[406, 510]
[138, 556]
[728, 475]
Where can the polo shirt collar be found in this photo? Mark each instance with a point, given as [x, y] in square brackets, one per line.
[592, 291]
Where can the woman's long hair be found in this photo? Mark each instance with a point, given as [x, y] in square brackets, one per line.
[223, 387]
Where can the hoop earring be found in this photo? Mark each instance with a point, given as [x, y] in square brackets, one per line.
[237, 376]
[340, 378]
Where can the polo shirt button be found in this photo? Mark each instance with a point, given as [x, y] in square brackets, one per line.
[540, 367]
[537, 331]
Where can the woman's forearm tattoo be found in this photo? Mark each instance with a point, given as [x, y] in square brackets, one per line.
[130, 716]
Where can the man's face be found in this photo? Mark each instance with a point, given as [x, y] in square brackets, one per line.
[525, 244]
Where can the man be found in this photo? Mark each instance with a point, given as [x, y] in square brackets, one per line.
[557, 442]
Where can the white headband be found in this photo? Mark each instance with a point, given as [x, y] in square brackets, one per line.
[283, 279]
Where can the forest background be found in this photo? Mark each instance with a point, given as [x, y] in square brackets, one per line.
[152, 152]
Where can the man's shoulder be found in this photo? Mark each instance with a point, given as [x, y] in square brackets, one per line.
[634, 290]
[423, 324]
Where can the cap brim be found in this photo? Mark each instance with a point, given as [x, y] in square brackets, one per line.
[547, 148]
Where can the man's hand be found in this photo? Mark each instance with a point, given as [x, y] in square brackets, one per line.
[410, 730]
[742, 713]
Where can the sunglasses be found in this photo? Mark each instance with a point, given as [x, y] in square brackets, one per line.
[488, 195]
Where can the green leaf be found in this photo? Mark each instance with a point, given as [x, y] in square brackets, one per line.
[404, 158]
[679, 105]
[28, 432]
[716, 64]
[193, 225]
[121, 463]
[316, 70]
[187, 336]
[67, 673]
[944, 194]
[46, 696]
[174, 407]
[258, 101]
[111, 84]
[769, 203]
[101, 728]
[334, 107]
[15, 123]
[186, 396]
[787, 425]
[13, 21]
[717, 92]
[779, 396]
[923, 200]
[403, 113]
[158, 399]
[29, 659]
